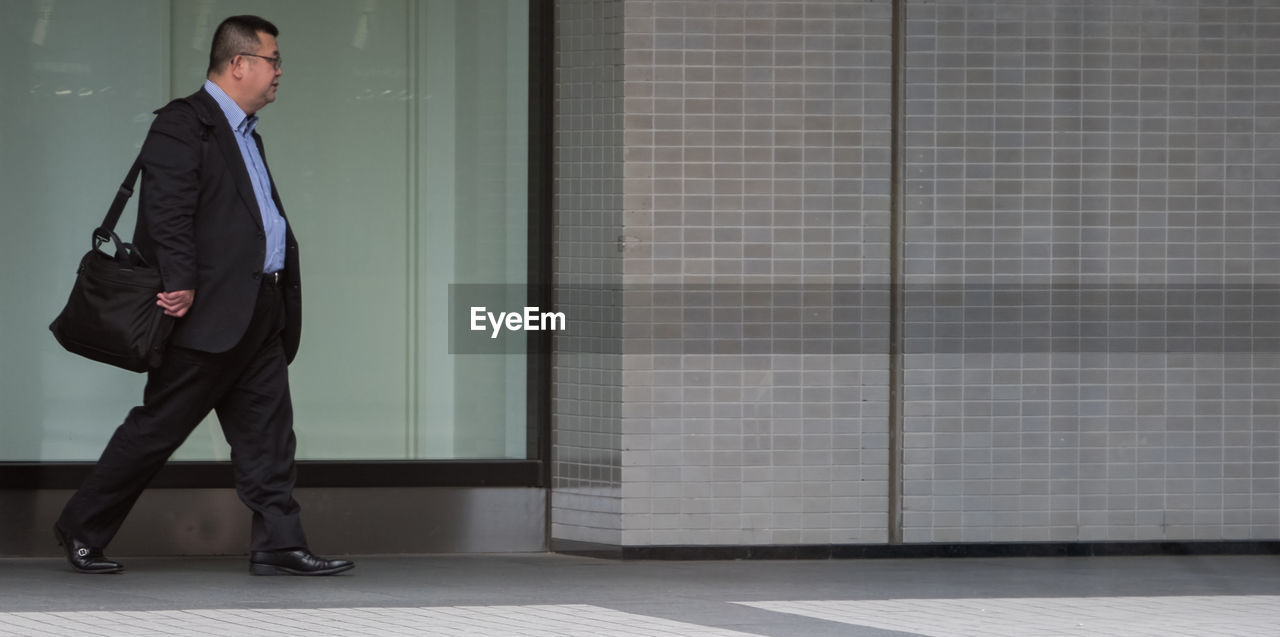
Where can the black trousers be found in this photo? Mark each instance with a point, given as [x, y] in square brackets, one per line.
[248, 387]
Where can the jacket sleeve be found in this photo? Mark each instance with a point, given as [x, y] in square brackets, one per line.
[171, 182]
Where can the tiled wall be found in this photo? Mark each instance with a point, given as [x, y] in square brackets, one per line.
[755, 367]
[587, 368]
[755, 198]
[1086, 181]
[1085, 184]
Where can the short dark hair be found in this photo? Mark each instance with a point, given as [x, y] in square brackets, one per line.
[237, 34]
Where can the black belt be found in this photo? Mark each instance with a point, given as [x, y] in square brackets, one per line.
[273, 279]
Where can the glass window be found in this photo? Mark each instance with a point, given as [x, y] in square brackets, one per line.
[399, 145]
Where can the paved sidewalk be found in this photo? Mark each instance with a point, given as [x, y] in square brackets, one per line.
[543, 594]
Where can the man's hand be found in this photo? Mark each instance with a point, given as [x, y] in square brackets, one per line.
[176, 303]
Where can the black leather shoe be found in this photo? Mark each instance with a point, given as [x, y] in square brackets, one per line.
[295, 562]
[85, 558]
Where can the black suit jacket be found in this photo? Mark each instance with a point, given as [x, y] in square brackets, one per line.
[198, 220]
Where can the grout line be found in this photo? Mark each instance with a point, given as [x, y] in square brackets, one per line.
[896, 252]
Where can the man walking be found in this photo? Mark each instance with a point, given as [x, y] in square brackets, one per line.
[210, 218]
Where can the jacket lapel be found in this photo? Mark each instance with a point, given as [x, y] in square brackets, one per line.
[231, 156]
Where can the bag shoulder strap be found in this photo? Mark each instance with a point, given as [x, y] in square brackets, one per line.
[117, 205]
[126, 188]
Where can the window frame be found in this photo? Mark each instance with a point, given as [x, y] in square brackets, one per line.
[535, 470]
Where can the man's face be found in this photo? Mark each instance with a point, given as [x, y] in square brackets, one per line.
[262, 77]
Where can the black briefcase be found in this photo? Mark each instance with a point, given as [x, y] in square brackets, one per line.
[111, 316]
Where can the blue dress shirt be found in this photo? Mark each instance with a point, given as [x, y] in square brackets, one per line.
[272, 223]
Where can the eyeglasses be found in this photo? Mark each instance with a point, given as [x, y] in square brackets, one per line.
[275, 61]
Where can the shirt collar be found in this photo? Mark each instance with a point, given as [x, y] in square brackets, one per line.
[240, 123]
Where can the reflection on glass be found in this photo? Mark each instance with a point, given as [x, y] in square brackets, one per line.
[398, 144]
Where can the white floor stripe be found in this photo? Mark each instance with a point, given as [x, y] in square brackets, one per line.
[474, 621]
[1026, 617]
